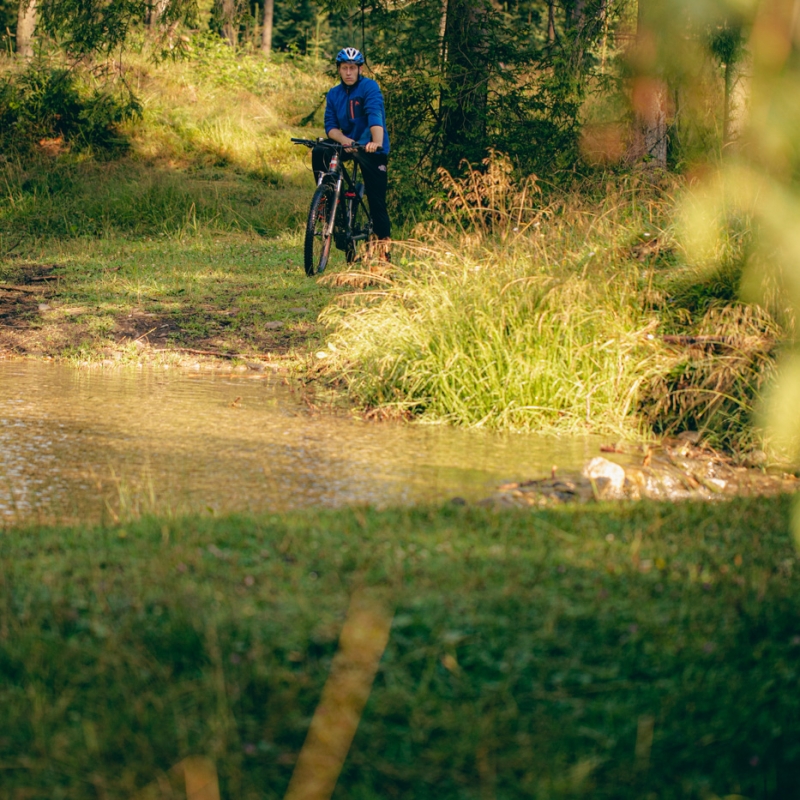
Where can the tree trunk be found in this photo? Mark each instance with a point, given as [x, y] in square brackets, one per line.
[577, 13]
[26, 26]
[737, 97]
[156, 12]
[551, 20]
[651, 107]
[229, 26]
[466, 78]
[266, 34]
[649, 98]
[442, 35]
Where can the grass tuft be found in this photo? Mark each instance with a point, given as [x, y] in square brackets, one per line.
[566, 315]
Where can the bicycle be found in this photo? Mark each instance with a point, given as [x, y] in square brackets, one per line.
[329, 219]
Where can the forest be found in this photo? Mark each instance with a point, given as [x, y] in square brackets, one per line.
[562, 88]
[510, 121]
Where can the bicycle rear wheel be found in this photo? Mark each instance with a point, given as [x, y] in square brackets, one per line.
[361, 225]
[317, 244]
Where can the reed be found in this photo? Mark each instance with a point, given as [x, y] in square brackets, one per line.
[510, 314]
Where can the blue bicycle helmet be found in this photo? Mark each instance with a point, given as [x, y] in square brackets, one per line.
[348, 54]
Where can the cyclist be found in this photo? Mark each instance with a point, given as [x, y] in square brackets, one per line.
[354, 114]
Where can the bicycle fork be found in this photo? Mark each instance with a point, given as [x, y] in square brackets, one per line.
[332, 214]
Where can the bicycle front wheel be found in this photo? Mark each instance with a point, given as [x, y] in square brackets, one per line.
[318, 243]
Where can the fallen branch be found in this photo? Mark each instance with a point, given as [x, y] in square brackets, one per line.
[7, 288]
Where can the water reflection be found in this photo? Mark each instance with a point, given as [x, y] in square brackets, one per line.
[93, 445]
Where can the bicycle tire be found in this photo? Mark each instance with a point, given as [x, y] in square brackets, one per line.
[317, 248]
[351, 251]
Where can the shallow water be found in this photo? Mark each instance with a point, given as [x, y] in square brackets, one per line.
[96, 445]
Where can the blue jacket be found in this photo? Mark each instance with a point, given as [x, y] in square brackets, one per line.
[355, 109]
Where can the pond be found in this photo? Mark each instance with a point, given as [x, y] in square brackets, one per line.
[101, 445]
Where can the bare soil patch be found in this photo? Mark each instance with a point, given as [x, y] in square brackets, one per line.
[24, 292]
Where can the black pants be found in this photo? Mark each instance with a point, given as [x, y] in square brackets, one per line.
[374, 169]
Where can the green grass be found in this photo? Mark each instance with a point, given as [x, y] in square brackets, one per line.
[209, 152]
[527, 651]
[227, 294]
[491, 339]
[69, 200]
[185, 234]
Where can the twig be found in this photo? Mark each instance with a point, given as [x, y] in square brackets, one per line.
[7, 288]
[713, 341]
[13, 247]
[147, 333]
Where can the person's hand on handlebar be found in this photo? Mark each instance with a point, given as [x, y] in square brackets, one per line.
[369, 147]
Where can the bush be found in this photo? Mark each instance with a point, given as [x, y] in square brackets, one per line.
[509, 315]
[49, 103]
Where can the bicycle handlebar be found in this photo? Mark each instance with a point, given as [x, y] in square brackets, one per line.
[335, 145]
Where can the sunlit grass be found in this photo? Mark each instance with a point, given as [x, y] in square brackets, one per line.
[210, 153]
[552, 315]
[248, 294]
[489, 340]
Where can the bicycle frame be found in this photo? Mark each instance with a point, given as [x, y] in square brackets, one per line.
[340, 175]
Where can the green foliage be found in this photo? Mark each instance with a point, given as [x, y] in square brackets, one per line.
[532, 318]
[214, 61]
[489, 78]
[726, 42]
[715, 385]
[183, 163]
[8, 22]
[530, 653]
[85, 27]
[728, 359]
[79, 201]
[696, 291]
[294, 25]
[48, 102]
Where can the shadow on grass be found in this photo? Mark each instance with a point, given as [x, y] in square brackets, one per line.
[637, 651]
[67, 197]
